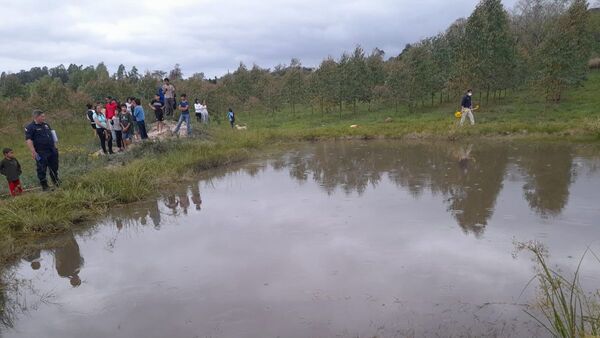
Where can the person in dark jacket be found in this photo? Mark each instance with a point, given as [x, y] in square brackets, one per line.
[90, 115]
[11, 168]
[466, 106]
[41, 141]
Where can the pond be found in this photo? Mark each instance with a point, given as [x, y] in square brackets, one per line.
[335, 239]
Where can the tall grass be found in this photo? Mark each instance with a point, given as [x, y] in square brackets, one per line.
[566, 309]
[87, 195]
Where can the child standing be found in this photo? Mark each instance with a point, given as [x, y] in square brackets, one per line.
[126, 120]
[11, 168]
[118, 130]
[158, 106]
[231, 117]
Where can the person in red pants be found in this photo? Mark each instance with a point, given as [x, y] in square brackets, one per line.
[11, 168]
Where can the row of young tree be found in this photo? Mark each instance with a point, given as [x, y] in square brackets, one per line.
[544, 44]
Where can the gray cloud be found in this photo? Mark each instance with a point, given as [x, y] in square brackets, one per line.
[212, 36]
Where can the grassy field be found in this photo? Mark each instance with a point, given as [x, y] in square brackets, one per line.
[94, 184]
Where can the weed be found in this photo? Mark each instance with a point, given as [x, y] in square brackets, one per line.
[567, 310]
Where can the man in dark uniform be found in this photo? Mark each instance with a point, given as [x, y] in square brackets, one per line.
[40, 141]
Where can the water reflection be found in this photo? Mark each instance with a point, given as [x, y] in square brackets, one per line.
[68, 260]
[549, 174]
[469, 176]
[34, 257]
[475, 185]
[464, 180]
[196, 199]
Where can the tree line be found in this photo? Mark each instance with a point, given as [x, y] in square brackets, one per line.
[543, 44]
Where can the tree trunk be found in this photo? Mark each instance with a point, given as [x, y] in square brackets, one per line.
[487, 95]
[322, 107]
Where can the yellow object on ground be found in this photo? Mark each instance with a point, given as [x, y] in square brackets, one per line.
[458, 114]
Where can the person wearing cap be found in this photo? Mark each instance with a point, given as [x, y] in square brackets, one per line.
[41, 141]
[467, 108]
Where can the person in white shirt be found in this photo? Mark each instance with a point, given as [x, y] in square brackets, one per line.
[198, 110]
[201, 111]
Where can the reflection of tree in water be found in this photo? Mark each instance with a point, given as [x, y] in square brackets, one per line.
[475, 183]
[470, 183]
[550, 173]
[349, 165]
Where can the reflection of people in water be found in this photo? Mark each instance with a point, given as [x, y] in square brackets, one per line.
[196, 196]
[172, 203]
[184, 201]
[34, 257]
[464, 156]
[68, 260]
[119, 223]
[154, 213]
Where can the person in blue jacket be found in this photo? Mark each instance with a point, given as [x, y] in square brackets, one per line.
[161, 95]
[466, 106]
[140, 117]
[231, 117]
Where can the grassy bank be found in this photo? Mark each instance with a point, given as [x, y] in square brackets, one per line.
[124, 180]
[92, 185]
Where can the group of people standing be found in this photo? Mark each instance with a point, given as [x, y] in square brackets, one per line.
[125, 122]
[116, 121]
[121, 122]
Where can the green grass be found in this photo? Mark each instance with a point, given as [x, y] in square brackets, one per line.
[125, 180]
[566, 309]
[94, 184]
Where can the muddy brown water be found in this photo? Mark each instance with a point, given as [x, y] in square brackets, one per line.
[339, 239]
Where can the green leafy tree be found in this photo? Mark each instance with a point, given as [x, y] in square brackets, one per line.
[133, 75]
[49, 93]
[11, 86]
[102, 72]
[376, 73]
[121, 73]
[564, 54]
[294, 84]
[459, 77]
[241, 85]
[59, 72]
[176, 74]
[327, 84]
[357, 79]
[397, 81]
[490, 51]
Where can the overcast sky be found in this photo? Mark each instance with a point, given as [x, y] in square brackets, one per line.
[212, 36]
